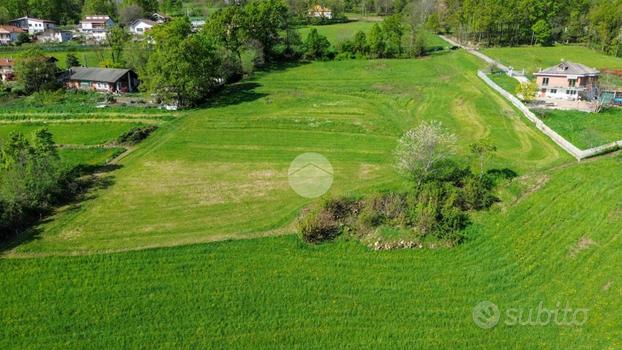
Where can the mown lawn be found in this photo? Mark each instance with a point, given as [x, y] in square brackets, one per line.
[551, 246]
[220, 173]
[89, 156]
[76, 133]
[532, 58]
[215, 173]
[508, 83]
[586, 130]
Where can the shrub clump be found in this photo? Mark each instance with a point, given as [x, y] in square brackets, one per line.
[135, 135]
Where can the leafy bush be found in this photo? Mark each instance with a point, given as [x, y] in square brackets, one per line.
[436, 209]
[31, 179]
[318, 225]
[136, 135]
[317, 46]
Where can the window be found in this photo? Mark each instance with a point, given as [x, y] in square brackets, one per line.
[553, 91]
[572, 82]
[545, 81]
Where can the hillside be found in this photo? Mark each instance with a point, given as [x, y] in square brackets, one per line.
[188, 183]
[278, 291]
[211, 181]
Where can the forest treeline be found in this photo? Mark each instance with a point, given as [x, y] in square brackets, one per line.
[597, 23]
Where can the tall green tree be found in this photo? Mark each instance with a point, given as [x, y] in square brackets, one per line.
[394, 31]
[263, 21]
[227, 26]
[37, 72]
[182, 68]
[377, 42]
[316, 45]
[99, 7]
[117, 38]
[542, 33]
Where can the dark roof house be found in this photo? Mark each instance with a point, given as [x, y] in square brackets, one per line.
[103, 79]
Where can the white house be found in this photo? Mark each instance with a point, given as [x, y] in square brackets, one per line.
[197, 22]
[54, 36]
[319, 11]
[8, 34]
[96, 27]
[140, 26]
[32, 25]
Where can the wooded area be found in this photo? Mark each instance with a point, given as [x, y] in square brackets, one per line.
[493, 22]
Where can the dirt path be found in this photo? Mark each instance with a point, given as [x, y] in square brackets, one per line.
[487, 59]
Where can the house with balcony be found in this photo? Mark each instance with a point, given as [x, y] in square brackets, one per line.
[33, 25]
[96, 27]
[568, 81]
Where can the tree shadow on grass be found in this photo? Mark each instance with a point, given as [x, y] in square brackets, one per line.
[505, 173]
[245, 90]
[235, 94]
[88, 180]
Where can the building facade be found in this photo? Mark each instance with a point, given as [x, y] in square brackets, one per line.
[140, 26]
[33, 25]
[319, 11]
[9, 34]
[96, 27]
[568, 81]
[108, 80]
[54, 36]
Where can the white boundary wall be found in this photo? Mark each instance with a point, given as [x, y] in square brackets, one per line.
[558, 139]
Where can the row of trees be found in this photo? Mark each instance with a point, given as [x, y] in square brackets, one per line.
[513, 22]
[385, 40]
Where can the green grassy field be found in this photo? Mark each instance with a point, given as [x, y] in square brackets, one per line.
[336, 33]
[82, 133]
[586, 130]
[88, 156]
[188, 182]
[508, 83]
[279, 293]
[219, 173]
[532, 58]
